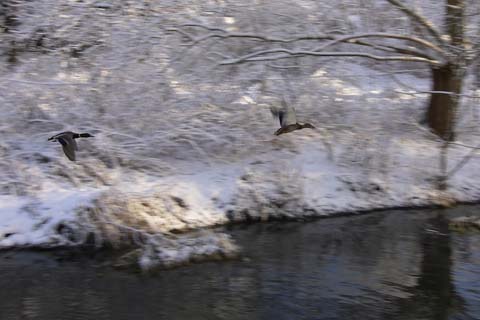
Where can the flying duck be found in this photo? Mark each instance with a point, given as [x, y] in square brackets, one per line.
[288, 119]
[67, 140]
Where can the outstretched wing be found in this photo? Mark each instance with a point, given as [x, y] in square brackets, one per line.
[277, 112]
[289, 115]
[69, 146]
[284, 113]
[281, 117]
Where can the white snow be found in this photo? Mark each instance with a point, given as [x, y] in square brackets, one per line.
[307, 179]
[334, 169]
[182, 144]
[33, 221]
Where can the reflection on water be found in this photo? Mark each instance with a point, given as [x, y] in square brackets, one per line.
[399, 265]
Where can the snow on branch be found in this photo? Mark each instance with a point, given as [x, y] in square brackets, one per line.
[420, 19]
[225, 35]
[407, 54]
[394, 49]
[415, 91]
[348, 38]
[266, 55]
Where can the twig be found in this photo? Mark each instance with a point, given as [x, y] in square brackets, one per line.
[428, 91]
[464, 161]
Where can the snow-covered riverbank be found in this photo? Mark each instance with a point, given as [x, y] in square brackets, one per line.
[302, 180]
[120, 192]
[183, 144]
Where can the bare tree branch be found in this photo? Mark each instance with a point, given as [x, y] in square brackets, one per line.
[420, 19]
[352, 39]
[348, 38]
[186, 34]
[225, 34]
[198, 25]
[394, 78]
[263, 56]
[411, 52]
[464, 161]
[264, 38]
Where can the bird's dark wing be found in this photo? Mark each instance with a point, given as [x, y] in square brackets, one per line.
[284, 113]
[278, 112]
[281, 117]
[290, 116]
[69, 146]
[274, 110]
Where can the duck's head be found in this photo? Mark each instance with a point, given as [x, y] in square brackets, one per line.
[86, 135]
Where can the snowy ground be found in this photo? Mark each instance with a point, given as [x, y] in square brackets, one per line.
[387, 162]
[178, 148]
[307, 173]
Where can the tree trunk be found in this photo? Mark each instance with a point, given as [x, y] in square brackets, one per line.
[455, 21]
[443, 106]
[448, 79]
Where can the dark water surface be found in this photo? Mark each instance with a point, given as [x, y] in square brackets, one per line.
[397, 265]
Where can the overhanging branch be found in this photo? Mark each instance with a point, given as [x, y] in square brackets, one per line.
[392, 49]
[350, 39]
[272, 54]
[423, 42]
[223, 34]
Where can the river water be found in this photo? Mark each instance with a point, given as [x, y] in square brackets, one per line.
[392, 265]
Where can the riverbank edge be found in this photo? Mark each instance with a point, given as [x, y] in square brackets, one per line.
[88, 247]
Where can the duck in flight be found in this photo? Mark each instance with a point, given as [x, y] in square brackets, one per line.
[288, 119]
[67, 140]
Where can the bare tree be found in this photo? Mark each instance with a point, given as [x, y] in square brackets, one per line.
[446, 50]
